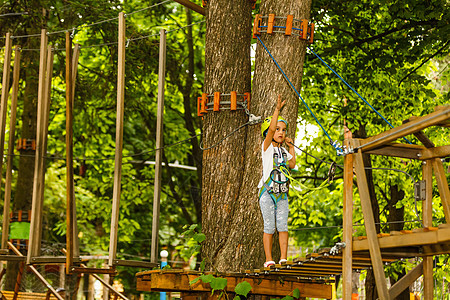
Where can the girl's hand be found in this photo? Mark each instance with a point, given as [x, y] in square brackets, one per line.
[280, 103]
[289, 141]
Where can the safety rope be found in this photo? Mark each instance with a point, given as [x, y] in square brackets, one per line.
[362, 98]
[335, 144]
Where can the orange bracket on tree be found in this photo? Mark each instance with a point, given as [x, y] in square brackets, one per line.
[219, 101]
[287, 25]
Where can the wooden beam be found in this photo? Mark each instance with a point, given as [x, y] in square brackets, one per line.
[37, 201]
[406, 281]
[427, 216]
[374, 247]
[436, 152]
[405, 129]
[75, 57]
[69, 157]
[159, 145]
[180, 281]
[119, 140]
[347, 259]
[442, 184]
[399, 150]
[192, 6]
[12, 130]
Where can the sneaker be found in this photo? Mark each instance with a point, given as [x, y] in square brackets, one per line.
[282, 261]
[269, 263]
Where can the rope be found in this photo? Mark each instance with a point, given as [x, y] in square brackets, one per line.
[376, 111]
[338, 149]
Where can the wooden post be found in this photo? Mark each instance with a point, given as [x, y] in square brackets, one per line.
[69, 157]
[36, 208]
[348, 226]
[12, 131]
[3, 108]
[427, 215]
[159, 144]
[374, 247]
[119, 140]
[75, 57]
[442, 184]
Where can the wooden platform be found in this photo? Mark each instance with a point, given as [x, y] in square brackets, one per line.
[8, 295]
[410, 243]
[268, 285]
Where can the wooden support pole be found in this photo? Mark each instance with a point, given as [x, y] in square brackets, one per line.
[406, 281]
[36, 272]
[119, 141]
[427, 215]
[192, 6]
[159, 144]
[12, 131]
[36, 210]
[374, 247]
[348, 226]
[69, 157]
[442, 184]
[3, 108]
[411, 127]
[75, 57]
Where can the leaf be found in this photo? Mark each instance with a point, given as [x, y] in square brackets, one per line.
[243, 288]
[203, 265]
[296, 293]
[287, 298]
[194, 281]
[218, 283]
[199, 237]
[207, 278]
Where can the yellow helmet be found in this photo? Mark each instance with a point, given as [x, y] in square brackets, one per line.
[265, 125]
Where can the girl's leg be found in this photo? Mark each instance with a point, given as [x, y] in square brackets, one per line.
[268, 241]
[282, 220]
[284, 236]
[268, 212]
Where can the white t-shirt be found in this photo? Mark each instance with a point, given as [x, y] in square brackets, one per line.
[267, 160]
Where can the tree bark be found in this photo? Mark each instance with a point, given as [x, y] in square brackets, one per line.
[231, 217]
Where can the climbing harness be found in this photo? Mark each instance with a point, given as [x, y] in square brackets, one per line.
[280, 186]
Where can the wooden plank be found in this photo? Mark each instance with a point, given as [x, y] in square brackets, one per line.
[26, 296]
[44, 260]
[159, 145]
[192, 6]
[69, 157]
[403, 240]
[37, 201]
[347, 259]
[399, 150]
[405, 129]
[427, 216]
[436, 152]
[374, 247]
[260, 286]
[12, 258]
[442, 184]
[119, 140]
[406, 281]
[85, 270]
[75, 57]
[135, 263]
[12, 131]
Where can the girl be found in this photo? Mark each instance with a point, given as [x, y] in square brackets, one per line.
[273, 187]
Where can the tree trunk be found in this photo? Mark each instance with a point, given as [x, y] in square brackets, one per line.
[231, 216]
